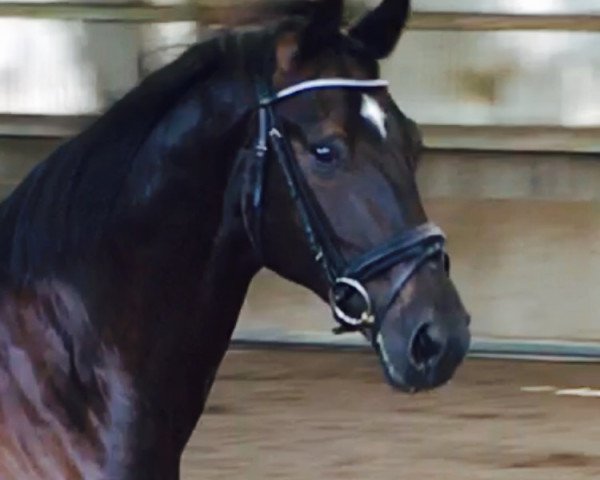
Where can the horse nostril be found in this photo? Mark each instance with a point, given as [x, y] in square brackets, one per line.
[426, 346]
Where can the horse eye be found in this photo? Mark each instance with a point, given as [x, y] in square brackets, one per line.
[324, 154]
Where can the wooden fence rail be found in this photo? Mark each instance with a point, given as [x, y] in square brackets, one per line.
[209, 14]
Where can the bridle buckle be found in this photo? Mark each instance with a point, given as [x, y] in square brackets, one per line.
[338, 292]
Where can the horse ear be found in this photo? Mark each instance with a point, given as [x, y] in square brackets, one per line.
[324, 25]
[380, 29]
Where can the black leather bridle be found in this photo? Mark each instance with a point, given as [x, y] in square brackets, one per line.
[412, 248]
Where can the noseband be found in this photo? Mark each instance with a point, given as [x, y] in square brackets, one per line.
[411, 249]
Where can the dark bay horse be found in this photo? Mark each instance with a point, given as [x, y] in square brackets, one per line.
[273, 147]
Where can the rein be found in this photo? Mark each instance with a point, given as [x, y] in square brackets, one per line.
[413, 248]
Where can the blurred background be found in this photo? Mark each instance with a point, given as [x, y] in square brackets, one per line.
[507, 93]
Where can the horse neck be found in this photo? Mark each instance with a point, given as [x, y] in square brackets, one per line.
[163, 264]
[185, 259]
[185, 184]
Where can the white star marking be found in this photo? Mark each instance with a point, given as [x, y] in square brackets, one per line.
[372, 112]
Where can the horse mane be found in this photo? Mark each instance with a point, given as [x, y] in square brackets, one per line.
[65, 405]
[91, 168]
[138, 111]
[126, 125]
[69, 199]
